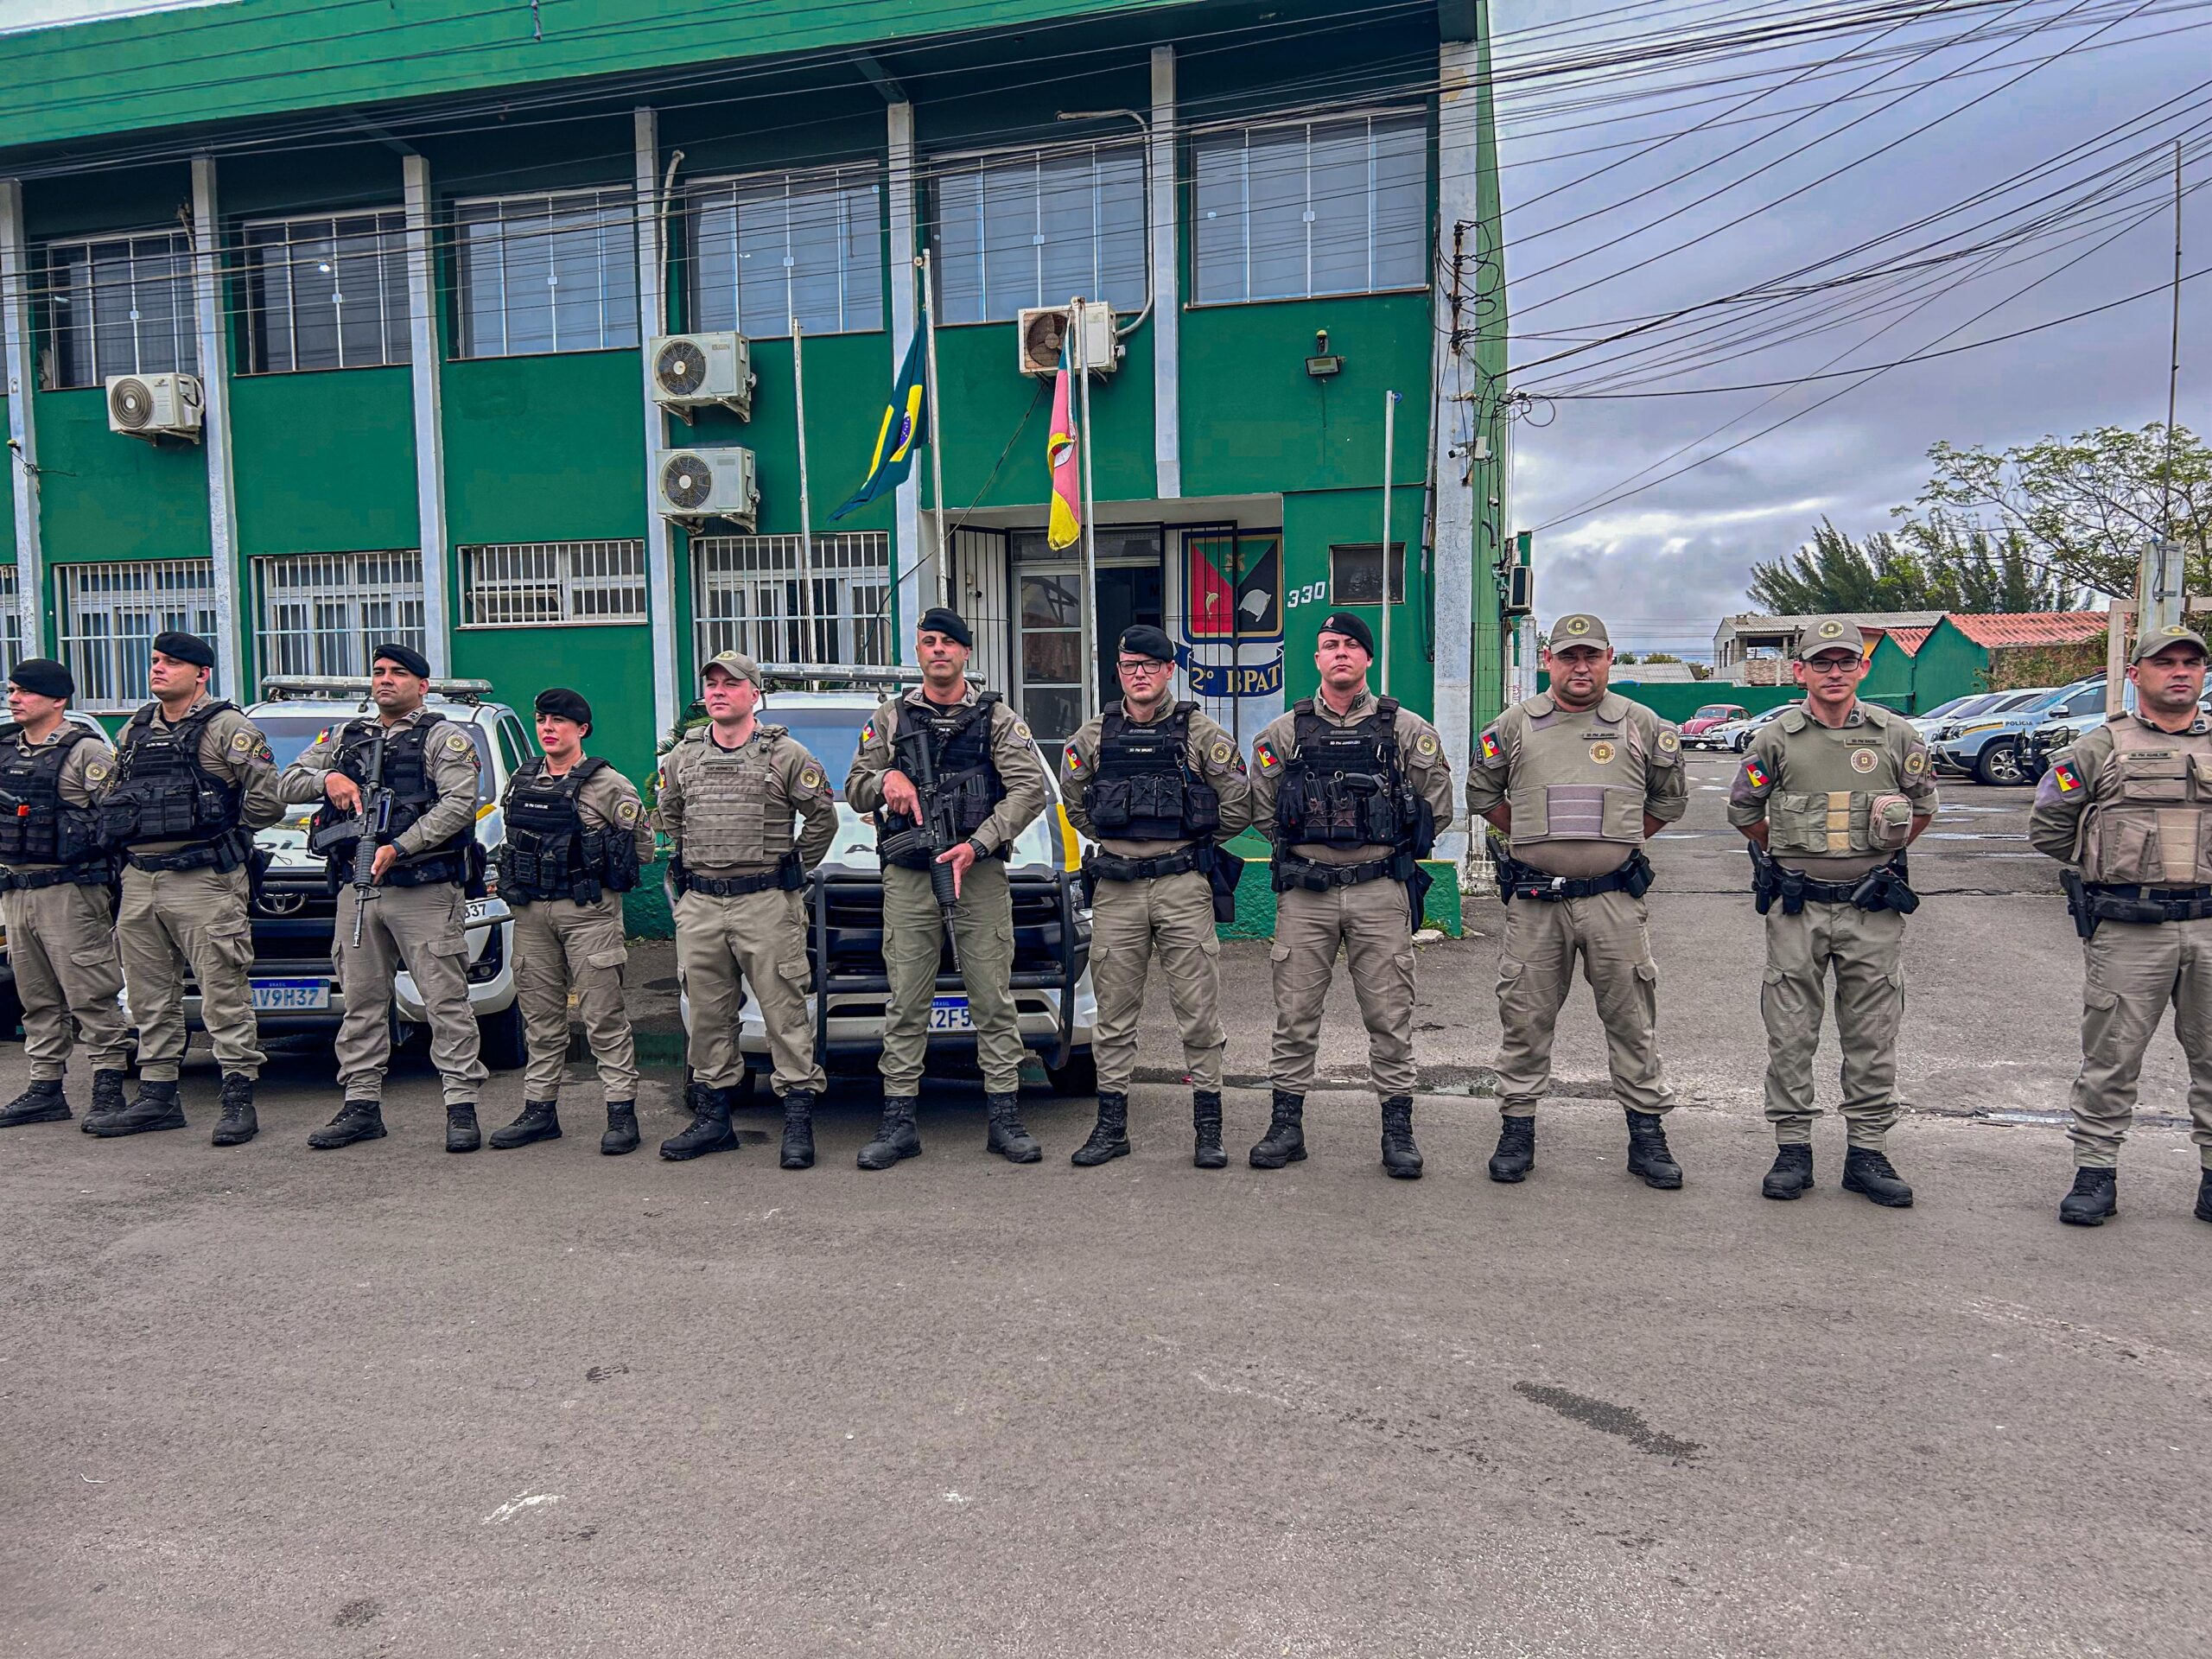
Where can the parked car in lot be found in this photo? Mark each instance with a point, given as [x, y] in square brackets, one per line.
[1712, 714]
[1957, 708]
[1986, 745]
[1736, 735]
[11, 1005]
[2066, 730]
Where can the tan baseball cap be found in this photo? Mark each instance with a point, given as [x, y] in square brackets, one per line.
[1579, 628]
[2173, 634]
[739, 665]
[1830, 633]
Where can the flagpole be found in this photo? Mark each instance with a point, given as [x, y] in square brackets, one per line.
[936, 433]
[1090, 513]
[812, 646]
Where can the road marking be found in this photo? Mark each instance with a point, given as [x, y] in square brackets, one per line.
[516, 1505]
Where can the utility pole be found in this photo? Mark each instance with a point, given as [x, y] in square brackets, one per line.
[2159, 600]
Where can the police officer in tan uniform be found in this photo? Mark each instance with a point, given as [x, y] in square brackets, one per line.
[991, 786]
[1579, 777]
[2127, 807]
[1159, 786]
[1830, 795]
[576, 836]
[427, 863]
[750, 813]
[1352, 790]
[194, 780]
[54, 874]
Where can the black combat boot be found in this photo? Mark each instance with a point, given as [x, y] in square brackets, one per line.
[1866, 1170]
[461, 1133]
[798, 1129]
[1006, 1136]
[1206, 1128]
[2095, 1199]
[1792, 1174]
[1285, 1142]
[896, 1137]
[1647, 1151]
[708, 1130]
[156, 1106]
[237, 1124]
[1516, 1150]
[540, 1121]
[2204, 1196]
[622, 1134]
[1109, 1137]
[357, 1120]
[107, 1099]
[43, 1103]
[1400, 1157]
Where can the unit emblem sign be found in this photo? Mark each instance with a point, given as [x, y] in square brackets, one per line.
[1602, 754]
[1863, 759]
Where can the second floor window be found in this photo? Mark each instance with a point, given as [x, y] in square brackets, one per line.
[1040, 228]
[121, 305]
[550, 273]
[326, 293]
[808, 246]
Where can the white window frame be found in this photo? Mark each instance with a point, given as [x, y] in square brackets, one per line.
[857, 192]
[553, 584]
[745, 596]
[1238, 140]
[84, 301]
[954, 286]
[11, 622]
[614, 212]
[106, 616]
[354, 603]
[386, 227]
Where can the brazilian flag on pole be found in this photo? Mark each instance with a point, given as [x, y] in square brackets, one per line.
[905, 426]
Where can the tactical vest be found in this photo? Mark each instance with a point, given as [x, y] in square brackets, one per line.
[2150, 814]
[1845, 798]
[729, 819]
[1574, 781]
[407, 775]
[36, 825]
[959, 743]
[550, 852]
[1141, 788]
[161, 793]
[1346, 786]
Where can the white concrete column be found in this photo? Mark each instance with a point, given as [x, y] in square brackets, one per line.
[914, 571]
[423, 366]
[652, 319]
[1166, 288]
[23, 429]
[215, 429]
[1453, 422]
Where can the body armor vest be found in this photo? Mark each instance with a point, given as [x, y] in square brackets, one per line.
[1345, 786]
[36, 825]
[550, 852]
[1578, 777]
[1142, 788]
[1844, 798]
[959, 749]
[407, 775]
[162, 793]
[2150, 816]
[729, 818]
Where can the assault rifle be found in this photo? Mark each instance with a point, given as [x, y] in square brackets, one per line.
[364, 829]
[938, 831]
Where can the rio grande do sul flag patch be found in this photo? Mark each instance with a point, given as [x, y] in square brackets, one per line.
[1755, 773]
[1266, 756]
[1489, 746]
[2066, 777]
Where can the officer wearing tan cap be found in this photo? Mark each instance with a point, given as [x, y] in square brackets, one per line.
[1578, 778]
[1830, 795]
[2127, 807]
[749, 812]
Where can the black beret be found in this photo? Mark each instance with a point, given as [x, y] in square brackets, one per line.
[43, 677]
[564, 704]
[1351, 627]
[186, 648]
[405, 655]
[1145, 640]
[937, 620]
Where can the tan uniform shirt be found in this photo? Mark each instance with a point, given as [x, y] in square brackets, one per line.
[232, 747]
[1208, 752]
[450, 759]
[84, 771]
[1580, 781]
[797, 792]
[1013, 751]
[1420, 752]
[2162, 790]
[1795, 760]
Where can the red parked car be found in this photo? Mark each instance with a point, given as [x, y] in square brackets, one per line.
[1713, 714]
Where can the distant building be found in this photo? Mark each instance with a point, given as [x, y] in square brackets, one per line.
[1750, 649]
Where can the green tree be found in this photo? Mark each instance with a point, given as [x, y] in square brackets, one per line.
[1833, 573]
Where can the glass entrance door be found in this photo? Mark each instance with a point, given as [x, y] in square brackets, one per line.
[1048, 620]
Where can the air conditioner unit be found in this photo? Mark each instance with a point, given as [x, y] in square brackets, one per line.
[1038, 332]
[154, 405]
[700, 484]
[1520, 590]
[691, 370]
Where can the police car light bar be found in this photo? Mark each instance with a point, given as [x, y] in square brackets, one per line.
[280, 686]
[850, 673]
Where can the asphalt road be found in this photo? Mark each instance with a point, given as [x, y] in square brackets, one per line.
[388, 1401]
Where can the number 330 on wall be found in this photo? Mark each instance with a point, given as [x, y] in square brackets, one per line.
[1311, 593]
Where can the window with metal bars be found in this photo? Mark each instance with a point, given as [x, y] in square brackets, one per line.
[326, 293]
[540, 584]
[1039, 228]
[11, 622]
[322, 613]
[1297, 209]
[117, 305]
[775, 246]
[745, 592]
[107, 616]
[547, 273]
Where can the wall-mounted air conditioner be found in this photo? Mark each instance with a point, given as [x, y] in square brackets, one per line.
[691, 485]
[154, 405]
[696, 370]
[1520, 590]
[1038, 332]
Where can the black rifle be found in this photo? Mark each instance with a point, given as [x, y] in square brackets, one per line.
[939, 832]
[364, 829]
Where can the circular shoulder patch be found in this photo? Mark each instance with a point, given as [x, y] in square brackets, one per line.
[1426, 744]
[242, 742]
[810, 777]
[1022, 729]
[1576, 625]
[1915, 763]
[1601, 753]
[1862, 760]
[95, 771]
[1223, 752]
[627, 811]
[458, 743]
[1669, 741]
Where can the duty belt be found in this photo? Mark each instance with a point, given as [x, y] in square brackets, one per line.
[2117, 902]
[1105, 867]
[787, 874]
[226, 852]
[1291, 871]
[1519, 880]
[53, 875]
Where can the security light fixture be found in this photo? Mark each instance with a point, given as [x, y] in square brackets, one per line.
[1323, 363]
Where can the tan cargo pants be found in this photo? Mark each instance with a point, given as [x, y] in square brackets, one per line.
[1535, 968]
[1372, 923]
[913, 933]
[1169, 918]
[172, 918]
[61, 944]
[419, 929]
[559, 946]
[1861, 947]
[2133, 970]
[722, 945]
